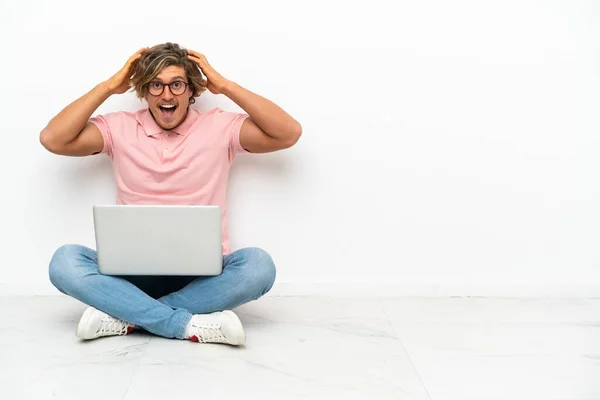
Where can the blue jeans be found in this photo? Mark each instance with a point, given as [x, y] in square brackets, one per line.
[162, 305]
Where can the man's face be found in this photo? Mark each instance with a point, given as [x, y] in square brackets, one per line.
[169, 108]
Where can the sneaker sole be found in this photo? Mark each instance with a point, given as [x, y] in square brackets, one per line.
[241, 340]
[83, 323]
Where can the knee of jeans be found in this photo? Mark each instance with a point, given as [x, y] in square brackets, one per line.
[61, 267]
[262, 268]
[267, 270]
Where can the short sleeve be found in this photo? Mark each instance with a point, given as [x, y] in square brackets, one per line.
[103, 123]
[233, 126]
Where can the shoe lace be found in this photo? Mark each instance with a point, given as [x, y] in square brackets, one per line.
[111, 325]
[208, 333]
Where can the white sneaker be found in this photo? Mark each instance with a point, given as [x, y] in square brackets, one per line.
[218, 327]
[95, 323]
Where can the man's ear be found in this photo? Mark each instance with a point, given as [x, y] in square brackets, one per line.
[191, 99]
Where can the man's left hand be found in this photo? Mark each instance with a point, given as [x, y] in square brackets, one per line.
[213, 81]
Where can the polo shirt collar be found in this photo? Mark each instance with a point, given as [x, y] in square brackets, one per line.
[146, 120]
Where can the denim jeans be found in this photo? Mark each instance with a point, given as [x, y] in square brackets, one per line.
[162, 305]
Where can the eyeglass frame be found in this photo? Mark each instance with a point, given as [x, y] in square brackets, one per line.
[186, 85]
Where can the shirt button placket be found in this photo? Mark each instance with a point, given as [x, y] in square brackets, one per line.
[165, 148]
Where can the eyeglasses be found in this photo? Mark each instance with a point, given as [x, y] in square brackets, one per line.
[176, 87]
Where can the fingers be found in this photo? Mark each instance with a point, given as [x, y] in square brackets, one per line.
[137, 55]
[197, 57]
[193, 53]
[141, 51]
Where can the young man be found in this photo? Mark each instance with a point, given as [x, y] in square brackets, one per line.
[168, 153]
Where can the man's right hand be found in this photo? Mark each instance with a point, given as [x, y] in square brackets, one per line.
[70, 133]
[120, 82]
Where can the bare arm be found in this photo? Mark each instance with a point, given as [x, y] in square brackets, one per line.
[269, 127]
[70, 133]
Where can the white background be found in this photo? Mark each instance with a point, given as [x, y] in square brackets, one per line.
[449, 147]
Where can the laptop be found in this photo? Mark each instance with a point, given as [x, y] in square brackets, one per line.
[158, 240]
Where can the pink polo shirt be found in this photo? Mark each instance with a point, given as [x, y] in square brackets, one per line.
[186, 165]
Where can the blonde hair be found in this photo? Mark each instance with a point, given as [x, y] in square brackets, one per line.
[159, 57]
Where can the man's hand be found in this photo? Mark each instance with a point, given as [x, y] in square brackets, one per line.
[213, 81]
[120, 82]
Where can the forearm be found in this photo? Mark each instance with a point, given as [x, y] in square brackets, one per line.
[67, 124]
[269, 117]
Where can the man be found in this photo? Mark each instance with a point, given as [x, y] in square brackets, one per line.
[168, 153]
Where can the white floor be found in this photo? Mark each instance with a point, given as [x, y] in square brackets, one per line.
[317, 348]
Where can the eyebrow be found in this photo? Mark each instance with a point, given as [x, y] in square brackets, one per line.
[172, 80]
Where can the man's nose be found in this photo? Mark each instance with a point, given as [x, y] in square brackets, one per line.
[166, 94]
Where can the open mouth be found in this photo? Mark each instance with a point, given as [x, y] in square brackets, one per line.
[167, 111]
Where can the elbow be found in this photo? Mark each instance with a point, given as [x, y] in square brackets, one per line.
[45, 138]
[295, 135]
[298, 131]
[48, 141]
